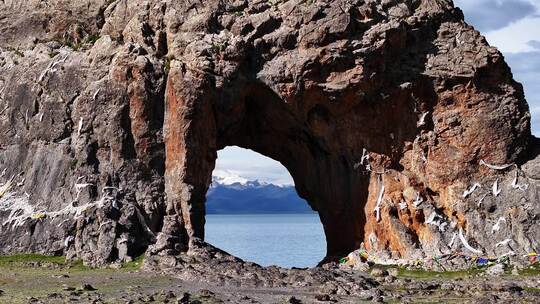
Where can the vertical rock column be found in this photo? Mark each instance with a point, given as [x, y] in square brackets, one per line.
[189, 132]
[336, 194]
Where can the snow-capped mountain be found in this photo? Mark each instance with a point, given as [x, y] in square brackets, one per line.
[231, 193]
[226, 177]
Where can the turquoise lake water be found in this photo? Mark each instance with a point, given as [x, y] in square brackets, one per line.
[287, 240]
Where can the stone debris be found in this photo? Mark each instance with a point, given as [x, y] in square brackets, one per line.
[495, 270]
[87, 287]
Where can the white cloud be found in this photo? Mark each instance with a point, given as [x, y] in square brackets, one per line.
[526, 69]
[516, 37]
[252, 166]
[513, 26]
[507, 24]
[535, 44]
[489, 15]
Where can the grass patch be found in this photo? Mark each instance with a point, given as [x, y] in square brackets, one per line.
[38, 260]
[17, 259]
[533, 270]
[167, 63]
[73, 164]
[85, 41]
[532, 289]
[19, 53]
[425, 274]
[135, 264]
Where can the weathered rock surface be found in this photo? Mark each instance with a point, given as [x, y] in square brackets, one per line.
[384, 112]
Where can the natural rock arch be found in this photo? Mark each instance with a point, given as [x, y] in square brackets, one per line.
[114, 141]
[261, 122]
[316, 107]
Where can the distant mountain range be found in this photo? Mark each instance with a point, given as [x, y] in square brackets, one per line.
[233, 194]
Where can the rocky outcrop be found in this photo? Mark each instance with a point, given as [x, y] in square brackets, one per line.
[386, 114]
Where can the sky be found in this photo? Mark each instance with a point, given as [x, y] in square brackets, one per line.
[251, 166]
[513, 26]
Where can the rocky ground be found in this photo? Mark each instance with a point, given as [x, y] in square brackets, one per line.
[39, 279]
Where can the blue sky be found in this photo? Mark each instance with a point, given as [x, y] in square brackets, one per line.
[513, 26]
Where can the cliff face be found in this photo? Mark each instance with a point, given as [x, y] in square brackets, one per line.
[385, 113]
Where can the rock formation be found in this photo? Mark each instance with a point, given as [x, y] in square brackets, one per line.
[386, 113]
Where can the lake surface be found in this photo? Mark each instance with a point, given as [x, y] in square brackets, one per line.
[287, 240]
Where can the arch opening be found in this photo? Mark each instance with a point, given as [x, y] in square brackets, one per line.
[254, 212]
[253, 116]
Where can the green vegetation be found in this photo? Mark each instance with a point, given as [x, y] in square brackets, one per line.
[18, 53]
[135, 264]
[532, 289]
[167, 63]
[425, 274]
[79, 39]
[53, 54]
[87, 40]
[219, 46]
[23, 276]
[73, 164]
[91, 39]
[58, 262]
[533, 270]
[21, 259]
[15, 50]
